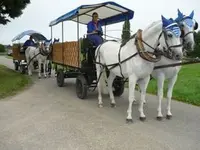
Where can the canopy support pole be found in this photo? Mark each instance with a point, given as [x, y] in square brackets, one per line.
[78, 46]
[62, 44]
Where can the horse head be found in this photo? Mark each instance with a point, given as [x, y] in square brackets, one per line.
[45, 46]
[169, 40]
[187, 25]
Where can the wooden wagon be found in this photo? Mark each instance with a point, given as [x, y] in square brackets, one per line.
[76, 57]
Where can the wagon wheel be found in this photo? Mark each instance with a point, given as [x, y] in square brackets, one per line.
[118, 86]
[60, 78]
[22, 69]
[16, 66]
[81, 87]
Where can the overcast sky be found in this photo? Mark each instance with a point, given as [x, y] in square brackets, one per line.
[39, 13]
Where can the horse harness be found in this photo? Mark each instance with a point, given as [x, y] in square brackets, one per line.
[42, 52]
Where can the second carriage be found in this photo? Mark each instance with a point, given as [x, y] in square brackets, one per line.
[19, 58]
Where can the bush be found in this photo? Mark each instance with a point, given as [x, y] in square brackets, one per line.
[2, 48]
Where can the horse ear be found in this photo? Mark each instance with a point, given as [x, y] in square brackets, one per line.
[164, 21]
[180, 14]
[192, 14]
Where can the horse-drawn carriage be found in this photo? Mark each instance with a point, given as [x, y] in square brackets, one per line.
[19, 58]
[159, 45]
[77, 57]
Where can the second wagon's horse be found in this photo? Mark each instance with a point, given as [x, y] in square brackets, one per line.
[38, 54]
[136, 58]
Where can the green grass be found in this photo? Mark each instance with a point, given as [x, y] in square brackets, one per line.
[12, 82]
[187, 86]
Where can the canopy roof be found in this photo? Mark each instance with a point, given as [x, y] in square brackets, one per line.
[36, 35]
[109, 13]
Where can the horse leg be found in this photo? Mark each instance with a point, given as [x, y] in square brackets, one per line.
[143, 83]
[110, 82]
[132, 83]
[39, 65]
[49, 68]
[30, 67]
[45, 65]
[99, 71]
[160, 84]
[171, 83]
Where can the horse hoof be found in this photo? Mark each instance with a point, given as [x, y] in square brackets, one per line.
[142, 118]
[168, 117]
[100, 105]
[129, 120]
[113, 105]
[159, 118]
[39, 77]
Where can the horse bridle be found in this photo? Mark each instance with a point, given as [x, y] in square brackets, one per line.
[183, 35]
[43, 51]
[168, 52]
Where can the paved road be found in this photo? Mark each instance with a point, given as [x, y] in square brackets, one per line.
[48, 117]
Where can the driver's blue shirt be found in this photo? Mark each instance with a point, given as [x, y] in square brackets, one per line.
[92, 26]
[29, 43]
[95, 38]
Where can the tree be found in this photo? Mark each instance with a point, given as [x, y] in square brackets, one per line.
[2, 48]
[126, 31]
[11, 9]
[196, 52]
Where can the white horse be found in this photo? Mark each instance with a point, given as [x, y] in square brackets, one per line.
[49, 62]
[187, 25]
[38, 54]
[139, 58]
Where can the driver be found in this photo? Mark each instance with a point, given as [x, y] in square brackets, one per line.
[28, 43]
[94, 30]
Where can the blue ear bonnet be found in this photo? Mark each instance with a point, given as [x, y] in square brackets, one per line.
[172, 26]
[47, 42]
[187, 19]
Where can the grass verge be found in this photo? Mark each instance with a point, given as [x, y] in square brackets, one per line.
[187, 86]
[9, 57]
[12, 82]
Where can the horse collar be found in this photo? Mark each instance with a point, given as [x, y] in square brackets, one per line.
[141, 50]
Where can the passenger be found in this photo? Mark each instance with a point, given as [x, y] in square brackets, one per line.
[94, 30]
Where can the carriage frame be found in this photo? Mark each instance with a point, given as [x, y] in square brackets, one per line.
[75, 57]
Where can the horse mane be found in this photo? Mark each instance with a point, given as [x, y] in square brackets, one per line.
[155, 23]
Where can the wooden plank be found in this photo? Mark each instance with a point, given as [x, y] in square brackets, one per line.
[57, 53]
[16, 52]
[70, 54]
